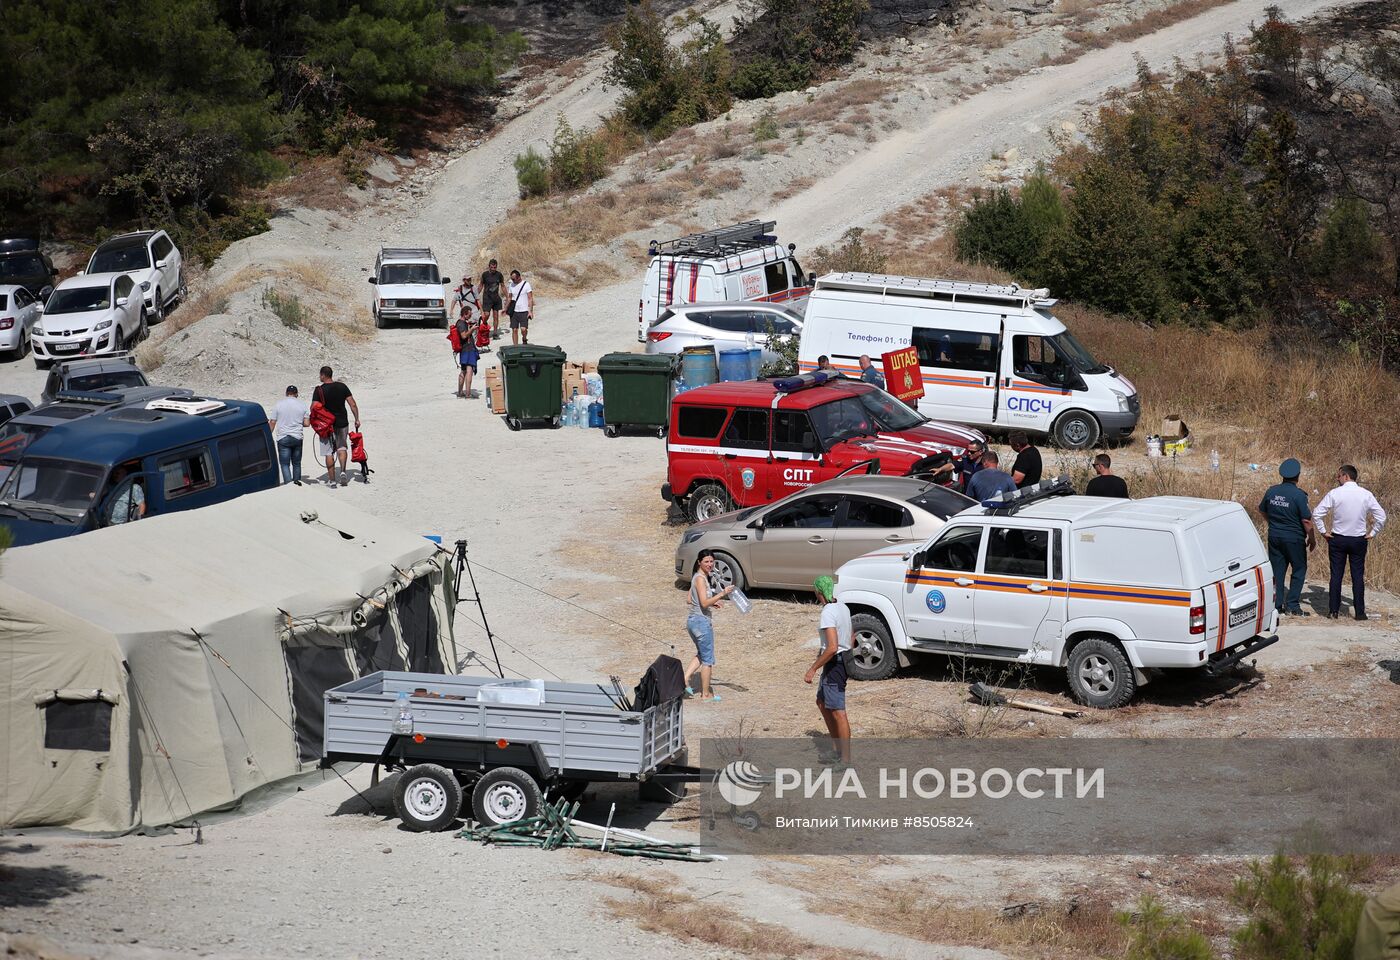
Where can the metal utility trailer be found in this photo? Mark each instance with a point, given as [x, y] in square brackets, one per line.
[504, 756]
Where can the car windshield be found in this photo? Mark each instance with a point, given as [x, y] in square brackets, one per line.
[21, 267]
[120, 259]
[79, 300]
[392, 273]
[62, 484]
[889, 413]
[107, 380]
[1079, 357]
[841, 420]
[940, 501]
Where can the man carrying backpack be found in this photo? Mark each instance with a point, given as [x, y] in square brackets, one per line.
[463, 337]
[333, 398]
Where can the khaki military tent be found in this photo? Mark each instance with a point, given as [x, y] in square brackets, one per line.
[156, 670]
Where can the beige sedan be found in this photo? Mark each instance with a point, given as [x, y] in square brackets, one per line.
[791, 542]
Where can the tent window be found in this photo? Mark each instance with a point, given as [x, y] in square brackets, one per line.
[78, 725]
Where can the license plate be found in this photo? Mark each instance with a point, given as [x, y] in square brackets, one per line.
[1238, 617]
[63, 347]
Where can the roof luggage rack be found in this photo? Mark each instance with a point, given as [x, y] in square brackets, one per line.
[949, 291]
[1007, 503]
[406, 253]
[749, 235]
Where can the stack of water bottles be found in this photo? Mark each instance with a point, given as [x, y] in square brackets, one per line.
[585, 410]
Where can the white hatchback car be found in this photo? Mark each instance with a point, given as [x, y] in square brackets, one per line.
[90, 315]
[19, 311]
[152, 260]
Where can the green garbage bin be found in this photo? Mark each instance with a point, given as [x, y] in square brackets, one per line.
[533, 380]
[637, 391]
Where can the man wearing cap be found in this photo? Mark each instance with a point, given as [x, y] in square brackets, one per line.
[1285, 508]
[835, 631]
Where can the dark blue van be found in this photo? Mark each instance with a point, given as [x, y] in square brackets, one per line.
[133, 461]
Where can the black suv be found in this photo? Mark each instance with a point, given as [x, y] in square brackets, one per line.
[23, 264]
[92, 375]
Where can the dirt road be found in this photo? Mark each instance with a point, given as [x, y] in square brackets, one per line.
[316, 875]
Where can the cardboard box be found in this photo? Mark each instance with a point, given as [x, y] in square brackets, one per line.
[493, 375]
[497, 394]
[590, 367]
[1174, 428]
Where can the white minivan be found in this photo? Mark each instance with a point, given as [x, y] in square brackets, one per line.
[993, 357]
[1109, 590]
[740, 262]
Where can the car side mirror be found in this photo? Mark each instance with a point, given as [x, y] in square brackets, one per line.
[757, 524]
[121, 301]
[159, 264]
[372, 279]
[80, 273]
[40, 306]
[919, 559]
[446, 279]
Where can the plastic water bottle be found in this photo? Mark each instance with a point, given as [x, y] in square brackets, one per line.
[403, 723]
[564, 413]
[1215, 461]
[680, 384]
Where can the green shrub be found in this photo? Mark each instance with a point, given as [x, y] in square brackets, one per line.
[287, 307]
[575, 160]
[1219, 263]
[1159, 935]
[1012, 231]
[763, 77]
[766, 127]
[785, 346]
[1348, 251]
[668, 86]
[851, 255]
[532, 173]
[783, 44]
[1307, 914]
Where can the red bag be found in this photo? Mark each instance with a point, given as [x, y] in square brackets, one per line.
[357, 447]
[454, 338]
[322, 420]
[483, 335]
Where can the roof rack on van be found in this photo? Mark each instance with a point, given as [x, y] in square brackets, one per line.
[194, 406]
[950, 291]
[749, 235]
[1007, 503]
[94, 397]
[405, 253]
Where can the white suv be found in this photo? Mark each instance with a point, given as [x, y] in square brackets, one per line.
[1106, 589]
[89, 315]
[408, 287]
[151, 259]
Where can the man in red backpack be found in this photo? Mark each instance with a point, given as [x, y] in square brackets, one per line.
[464, 339]
[334, 397]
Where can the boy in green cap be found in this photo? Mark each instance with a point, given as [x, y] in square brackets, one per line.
[835, 631]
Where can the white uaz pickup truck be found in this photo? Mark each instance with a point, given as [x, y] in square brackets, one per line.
[1107, 589]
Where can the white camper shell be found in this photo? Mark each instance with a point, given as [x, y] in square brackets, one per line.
[740, 262]
[1107, 589]
[991, 356]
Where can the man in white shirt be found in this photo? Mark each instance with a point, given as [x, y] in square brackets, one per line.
[1353, 508]
[835, 629]
[521, 307]
[287, 419]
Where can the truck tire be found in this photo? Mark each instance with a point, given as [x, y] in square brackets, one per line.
[505, 794]
[1076, 430]
[379, 322]
[874, 656]
[728, 571]
[1100, 675]
[707, 501]
[427, 798]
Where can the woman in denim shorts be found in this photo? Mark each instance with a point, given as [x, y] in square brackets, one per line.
[700, 625]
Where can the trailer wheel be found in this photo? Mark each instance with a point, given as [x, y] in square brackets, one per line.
[428, 798]
[505, 794]
[1100, 675]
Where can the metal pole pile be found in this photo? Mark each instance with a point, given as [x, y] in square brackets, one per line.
[555, 828]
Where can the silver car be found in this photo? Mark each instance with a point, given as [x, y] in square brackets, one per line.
[791, 542]
[19, 311]
[724, 326]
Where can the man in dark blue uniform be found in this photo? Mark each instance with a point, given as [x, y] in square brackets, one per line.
[1285, 507]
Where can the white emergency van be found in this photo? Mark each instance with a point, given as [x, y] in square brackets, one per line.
[740, 262]
[1107, 589]
[991, 356]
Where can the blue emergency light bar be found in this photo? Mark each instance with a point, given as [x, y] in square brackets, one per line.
[1010, 501]
[805, 380]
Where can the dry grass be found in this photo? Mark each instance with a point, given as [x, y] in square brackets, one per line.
[794, 186]
[831, 106]
[1150, 22]
[660, 907]
[1071, 930]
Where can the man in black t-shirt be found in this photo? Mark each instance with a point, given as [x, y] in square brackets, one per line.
[335, 397]
[1026, 470]
[1105, 484]
[490, 294]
